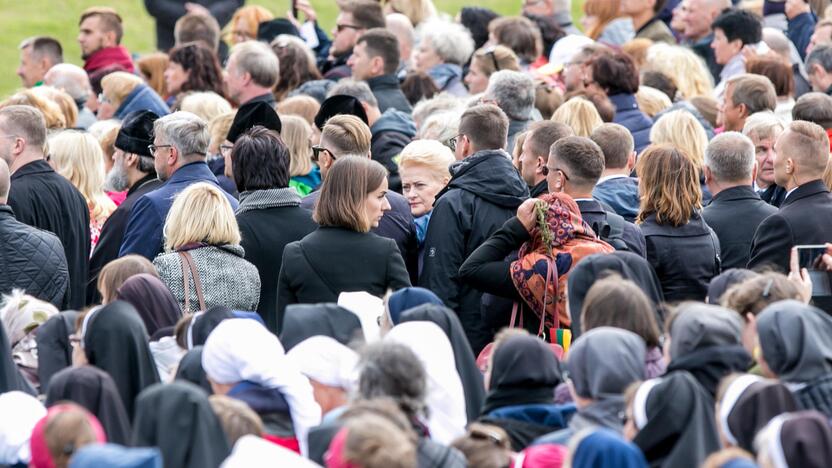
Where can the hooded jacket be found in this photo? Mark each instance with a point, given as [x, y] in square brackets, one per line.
[388, 93]
[483, 193]
[391, 132]
[142, 98]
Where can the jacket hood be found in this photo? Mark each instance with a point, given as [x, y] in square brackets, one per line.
[396, 121]
[489, 175]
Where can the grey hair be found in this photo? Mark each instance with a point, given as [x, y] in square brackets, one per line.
[730, 157]
[761, 125]
[357, 89]
[514, 93]
[441, 126]
[822, 55]
[258, 60]
[400, 25]
[70, 78]
[394, 371]
[439, 103]
[452, 42]
[184, 131]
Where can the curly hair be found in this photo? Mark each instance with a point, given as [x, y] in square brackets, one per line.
[204, 71]
[297, 64]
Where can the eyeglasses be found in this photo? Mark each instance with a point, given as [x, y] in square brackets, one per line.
[153, 148]
[341, 27]
[225, 150]
[317, 150]
[486, 435]
[453, 142]
[547, 170]
[102, 98]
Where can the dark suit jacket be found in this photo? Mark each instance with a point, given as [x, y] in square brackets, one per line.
[734, 215]
[166, 12]
[594, 213]
[332, 260]
[805, 217]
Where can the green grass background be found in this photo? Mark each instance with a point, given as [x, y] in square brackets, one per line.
[20, 19]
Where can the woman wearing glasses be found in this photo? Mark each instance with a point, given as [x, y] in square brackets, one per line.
[487, 61]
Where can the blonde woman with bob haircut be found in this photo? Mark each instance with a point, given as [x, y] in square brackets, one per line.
[78, 157]
[681, 129]
[205, 104]
[671, 220]
[342, 255]
[305, 177]
[687, 70]
[202, 232]
[51, 111]
[580, 114]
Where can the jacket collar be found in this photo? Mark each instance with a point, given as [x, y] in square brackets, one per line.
[141, 182]
[6, 211]
[198, 170]
[624, 102]
[540, 189]
[35, 167]
[383, 81]
[808, 189]
[740, 192]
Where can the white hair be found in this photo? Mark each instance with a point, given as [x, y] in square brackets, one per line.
[452, 42]
[184, 131]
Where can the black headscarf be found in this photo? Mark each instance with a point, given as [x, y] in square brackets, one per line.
[627, 264]
[152, 299]
[115, 341]
[723, 281]
[475, 20]
[54, 349]
[805, 439]
[794, 338]
[10, 377]
[302, 321]
[523, 371]
[95, 390]
[190, 369]
[204, 323]
[748, 404]
[679, 427]
[466, 366]
[178, 418]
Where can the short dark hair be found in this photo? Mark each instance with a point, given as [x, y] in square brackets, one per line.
[778, 72]
[261, 160]
[615, 142]
[542, 135]
[366, 14]
[755, 91]
[617, 302]
[814, 107]
[822, 55]
[660, 81]
[486, 125]
[110, 20]
[43, 46]
[382, 43]
[202, 65]
[194, 27]
[740, 24]
[615, 73]
[582, 157]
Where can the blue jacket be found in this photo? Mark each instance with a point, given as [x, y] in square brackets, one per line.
[629, 115]
[620, 194]
[143, 234]
[800, 31]
[142, 98]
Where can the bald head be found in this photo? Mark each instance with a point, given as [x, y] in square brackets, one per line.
[69, 78]
[5, 181]
[402, 28]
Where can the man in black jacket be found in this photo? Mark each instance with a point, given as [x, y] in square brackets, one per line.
[167, 12]
[575, 165]
[42, 198]
[729, 170]
[354, 18]
[132, 171]
[30, 259]
[483, 193]
[375, 59]
[802, 153]
[535, 153]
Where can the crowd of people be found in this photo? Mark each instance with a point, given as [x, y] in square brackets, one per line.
[425, 239]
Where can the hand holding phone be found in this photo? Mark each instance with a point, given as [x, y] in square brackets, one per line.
[809, 259]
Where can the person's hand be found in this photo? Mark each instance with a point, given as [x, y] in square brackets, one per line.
[526, 213]
[826, 260]
[800, 277]
[307, 9]
[797, 7]
[196, 9]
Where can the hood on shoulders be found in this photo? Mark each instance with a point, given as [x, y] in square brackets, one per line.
[490, 175]
[396, 121]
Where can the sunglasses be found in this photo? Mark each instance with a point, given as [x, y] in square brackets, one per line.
[491, 53]
[341, 27]
[317, 150]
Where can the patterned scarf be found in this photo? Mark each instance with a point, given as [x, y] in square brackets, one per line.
[572, 240]
[269, 198]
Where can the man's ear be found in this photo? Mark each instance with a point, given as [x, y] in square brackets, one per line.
[631, 161]
[754, 172]
[708, 175]
[743, 109]
[377, 65]
[541, 163]
[131, 160]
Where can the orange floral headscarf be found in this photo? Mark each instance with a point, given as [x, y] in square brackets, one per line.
[571, 240]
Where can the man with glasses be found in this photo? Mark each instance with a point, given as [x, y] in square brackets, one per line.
[180, 142]
[354, 18]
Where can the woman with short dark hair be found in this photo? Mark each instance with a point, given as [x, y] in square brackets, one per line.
[342, 255]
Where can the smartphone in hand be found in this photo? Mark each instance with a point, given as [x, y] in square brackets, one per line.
[810, 257]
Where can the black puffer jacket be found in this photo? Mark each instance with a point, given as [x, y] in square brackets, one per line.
[32, 260]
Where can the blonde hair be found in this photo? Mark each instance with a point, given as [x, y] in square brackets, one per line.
[637, 50]
[152, 67]
[417, 11]
[236, 418]
[253, 14]
[441, 126]
[218, 128]
[301, 105]
[681, 129]
[205, 104]
[686, 69]
[668, 185]
[200, 213]
[430, 154]
[296, 133]
[51, 112]
[116, 86]
[64, 101]
[651, 101]
[500, 55]
[580, 114]
[78, 157]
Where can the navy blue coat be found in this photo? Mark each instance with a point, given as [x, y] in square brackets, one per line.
[142, 98]
[629, 115]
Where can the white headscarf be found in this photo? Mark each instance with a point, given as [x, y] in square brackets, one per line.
[243, 349]
[368, 308]
[327, 361]
[446, 400]
[253, 451]
[19, 413]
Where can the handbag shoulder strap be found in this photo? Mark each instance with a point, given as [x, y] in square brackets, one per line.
[314, 270]
[187, 259]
